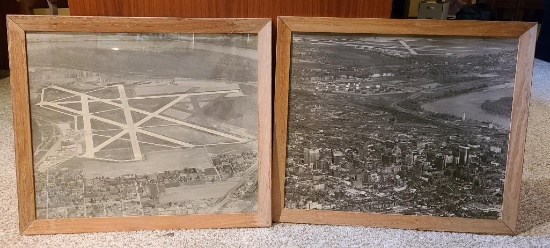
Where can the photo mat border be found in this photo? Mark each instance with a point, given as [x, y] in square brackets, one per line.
[526, 34]
[18, 25]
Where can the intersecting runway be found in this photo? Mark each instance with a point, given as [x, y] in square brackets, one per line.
[129, 125]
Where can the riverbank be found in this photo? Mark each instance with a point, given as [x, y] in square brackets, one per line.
[470, 104]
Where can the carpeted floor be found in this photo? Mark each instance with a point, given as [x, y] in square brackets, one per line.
[534, 212]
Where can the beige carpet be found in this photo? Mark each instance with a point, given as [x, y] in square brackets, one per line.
[534, 212]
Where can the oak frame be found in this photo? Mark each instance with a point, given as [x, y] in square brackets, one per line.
[525, 32]
[29, 224]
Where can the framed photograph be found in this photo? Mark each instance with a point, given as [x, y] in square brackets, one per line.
[141, 123]
[416, 124]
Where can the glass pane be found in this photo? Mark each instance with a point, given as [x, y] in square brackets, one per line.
[143, 124]
[399, 125]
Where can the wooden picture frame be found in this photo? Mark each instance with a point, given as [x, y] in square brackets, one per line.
[19, 28]
[332, 32]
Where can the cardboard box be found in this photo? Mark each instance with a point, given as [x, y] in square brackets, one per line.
[433, 11]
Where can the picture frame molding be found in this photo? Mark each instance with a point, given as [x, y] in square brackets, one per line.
[525, 33]
[19, 25]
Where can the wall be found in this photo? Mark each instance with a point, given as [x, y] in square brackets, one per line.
[232, 8]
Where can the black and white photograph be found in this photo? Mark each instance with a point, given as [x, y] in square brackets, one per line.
[134, 124]
[412, 125]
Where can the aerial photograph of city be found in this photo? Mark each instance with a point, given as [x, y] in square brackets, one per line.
[399, 125]
[143, 124]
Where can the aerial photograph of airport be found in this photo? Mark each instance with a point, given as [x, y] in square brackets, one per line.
[143, 124]
[399, 125]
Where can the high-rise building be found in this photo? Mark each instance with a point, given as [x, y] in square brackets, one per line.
[449, 159]
[463, 155]
[318, 165]
[337, 157]
[409, 160]
[442, 163]
[311, 155]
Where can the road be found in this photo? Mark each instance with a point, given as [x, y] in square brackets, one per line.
[45, 146]
[49, 148]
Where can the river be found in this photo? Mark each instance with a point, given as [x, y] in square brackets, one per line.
[471, 105]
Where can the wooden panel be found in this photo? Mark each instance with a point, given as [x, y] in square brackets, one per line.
[232, 8]
[518, 131]
[525, 32]
[137, 25]
[18, 25]
[280, 126]
[331, 8]
[21, 124]
[395, 221]
[408, 27]
[134, 223]
[265, 120]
